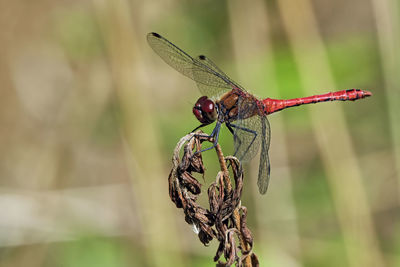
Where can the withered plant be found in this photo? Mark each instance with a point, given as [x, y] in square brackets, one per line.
[225, 218]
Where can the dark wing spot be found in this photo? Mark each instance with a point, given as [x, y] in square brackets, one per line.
[202, 57]
[156, 34]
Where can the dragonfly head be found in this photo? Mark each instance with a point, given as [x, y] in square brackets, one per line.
[205, 110]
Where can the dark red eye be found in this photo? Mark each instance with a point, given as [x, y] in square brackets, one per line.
[205, 110]
[201, 100]
[197, 114]
[208, 106]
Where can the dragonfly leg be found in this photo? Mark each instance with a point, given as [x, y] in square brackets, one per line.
[200, 126]
[236, 137]
[215, 135]
[200, 135]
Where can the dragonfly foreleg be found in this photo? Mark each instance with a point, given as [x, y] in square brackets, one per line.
[214, 134]
[200, 126]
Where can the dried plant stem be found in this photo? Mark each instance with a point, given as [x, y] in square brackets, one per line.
[224, 169]
[236, 214]
[225, 216]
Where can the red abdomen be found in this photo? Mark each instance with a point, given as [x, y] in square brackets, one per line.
[274, 105]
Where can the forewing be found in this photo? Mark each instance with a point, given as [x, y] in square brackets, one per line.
[264, 166]
[209, 63]
[212, 90]
[211, 82]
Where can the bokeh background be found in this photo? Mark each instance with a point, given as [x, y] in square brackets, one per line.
[90, 115]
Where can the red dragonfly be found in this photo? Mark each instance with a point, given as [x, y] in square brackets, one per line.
[225, 101]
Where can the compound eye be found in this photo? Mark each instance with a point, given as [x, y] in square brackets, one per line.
[198, 114]
[205, 110]
[208, 106]
[201, 101]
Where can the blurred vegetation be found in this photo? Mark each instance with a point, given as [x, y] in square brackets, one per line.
[89, 117]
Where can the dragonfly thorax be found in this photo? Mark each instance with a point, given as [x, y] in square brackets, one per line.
[205, 110]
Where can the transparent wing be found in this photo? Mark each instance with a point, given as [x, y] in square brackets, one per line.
[215, 91]
[210, 80]
[206, 61]
[247, 132]
[247, 138]
[264, 166]
[252, 131]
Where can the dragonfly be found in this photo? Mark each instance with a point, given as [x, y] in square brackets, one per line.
[226, 102]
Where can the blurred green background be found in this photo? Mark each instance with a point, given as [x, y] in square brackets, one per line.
[90, 115]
